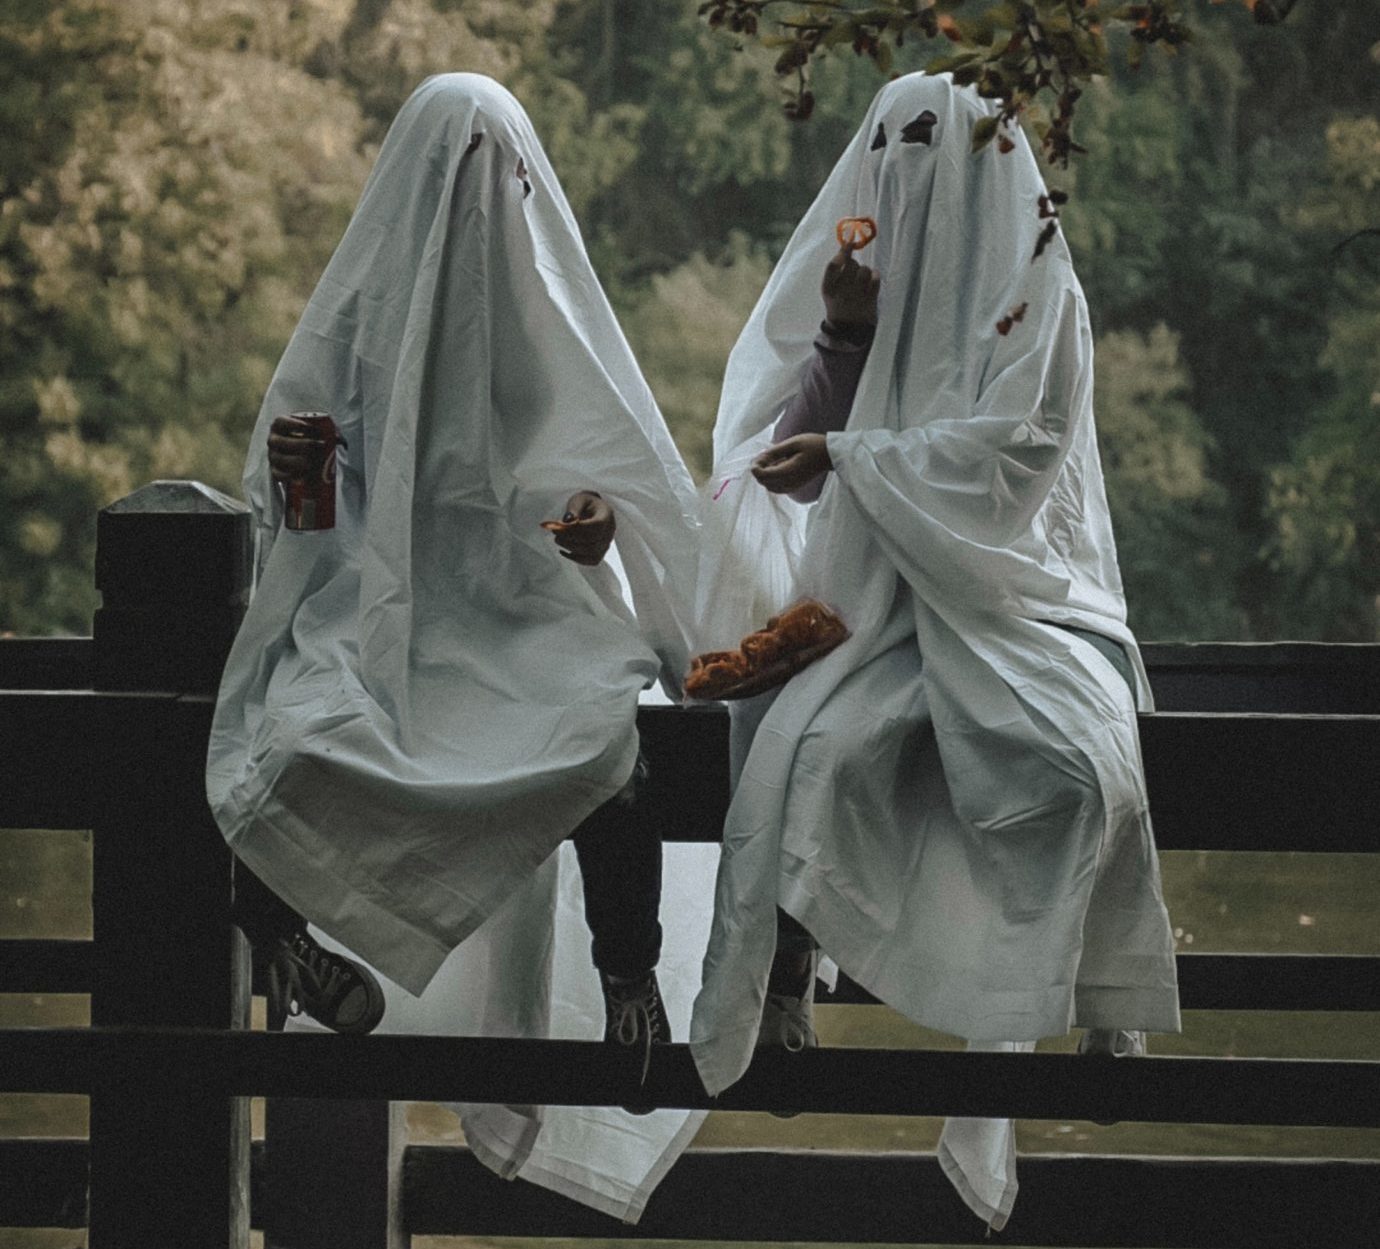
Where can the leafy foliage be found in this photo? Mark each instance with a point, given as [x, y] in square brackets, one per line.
[1034, 56]
[175, 173]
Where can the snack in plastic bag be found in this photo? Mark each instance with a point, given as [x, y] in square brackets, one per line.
[790, 641]
[855, 233]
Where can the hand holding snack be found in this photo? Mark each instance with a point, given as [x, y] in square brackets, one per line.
[585, 532]
[855, 233]
[850, 289]
[792, 462]
[791, 640]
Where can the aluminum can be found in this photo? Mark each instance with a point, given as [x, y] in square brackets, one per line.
[311, 501]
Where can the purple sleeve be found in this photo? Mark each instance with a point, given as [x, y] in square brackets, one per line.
[825, 397]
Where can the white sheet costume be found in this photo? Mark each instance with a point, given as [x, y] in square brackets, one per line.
[424, 701]
[967, 836]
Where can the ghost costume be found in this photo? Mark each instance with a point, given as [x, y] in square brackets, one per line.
[424, 701]
[952, 802]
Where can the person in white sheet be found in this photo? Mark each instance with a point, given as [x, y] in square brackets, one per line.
[426, 700]
[951, 804]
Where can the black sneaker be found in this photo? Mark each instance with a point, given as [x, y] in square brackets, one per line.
[305, 978]
[1112, 1043]
[788, 1018]
[635, 1017]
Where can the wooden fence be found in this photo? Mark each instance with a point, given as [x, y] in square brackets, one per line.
[1254, 748]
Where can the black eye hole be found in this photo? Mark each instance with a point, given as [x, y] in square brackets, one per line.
[921, 130]
[521, 172]
[879, 141]
[475, 141]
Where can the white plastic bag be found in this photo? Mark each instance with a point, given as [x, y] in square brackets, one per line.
[750, 541]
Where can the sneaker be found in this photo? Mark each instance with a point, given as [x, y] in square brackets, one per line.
[1112, 1043]
[788, 1021]
[305, 978]
[635, 1017]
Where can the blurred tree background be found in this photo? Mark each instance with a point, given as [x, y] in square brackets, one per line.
[175, 173]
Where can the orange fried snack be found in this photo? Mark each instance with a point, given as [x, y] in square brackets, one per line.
[559, 526]
[790, 641]
[855, 233]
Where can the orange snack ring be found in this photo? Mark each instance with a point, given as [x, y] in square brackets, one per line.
[712, 670]
[792, 640]
[762, 647]
[855, 232]
[558, 526]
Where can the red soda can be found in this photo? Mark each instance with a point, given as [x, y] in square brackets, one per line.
[311, 501]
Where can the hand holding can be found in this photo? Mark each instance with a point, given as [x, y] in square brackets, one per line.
[302, 455]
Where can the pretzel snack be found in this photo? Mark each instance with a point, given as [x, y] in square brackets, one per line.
[855, 233]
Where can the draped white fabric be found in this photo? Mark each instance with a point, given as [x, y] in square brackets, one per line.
[952, 801]
[424, 701]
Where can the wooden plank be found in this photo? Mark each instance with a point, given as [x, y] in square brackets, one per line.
[167, 1163]
[1286, 982]
[1216, 781]
[45, 966]
[1301, 677]
[333, 1174]
[45, 663]
[1263, 782]
[818, 1195]
[1281, 982]
[1283, 1092]
[1316, 677]
[1297, 982]
[45, 759]
[43, 1183]
[169, 1160]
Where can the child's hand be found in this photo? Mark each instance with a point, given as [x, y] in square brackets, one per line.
[850, 290]
[586, 530]
[295, 450]
[792, 463]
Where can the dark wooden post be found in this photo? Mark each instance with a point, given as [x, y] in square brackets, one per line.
[334, 1174]
[169, 1163]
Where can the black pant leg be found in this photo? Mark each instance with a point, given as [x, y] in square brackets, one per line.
[621, 869]
[261, 914]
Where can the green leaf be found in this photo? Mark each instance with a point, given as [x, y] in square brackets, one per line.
[984, 132]
[945, 64]
[843, 31]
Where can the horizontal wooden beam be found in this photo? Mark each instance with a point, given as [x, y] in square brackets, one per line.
[200, 1063]
[46, 663]
[43, 1183]
[818, 1195]
[45, 966]
[860, 1198]
[1216, 782]
[1304, 677]
[1284, 982]
[1263, 782]
[1318, 670]
[1281, 982]
[47, 758]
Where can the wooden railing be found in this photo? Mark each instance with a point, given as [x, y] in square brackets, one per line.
[1254, 748]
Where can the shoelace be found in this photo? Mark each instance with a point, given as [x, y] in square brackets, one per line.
[636, 1015]
[286, 970]
[796, 1032]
